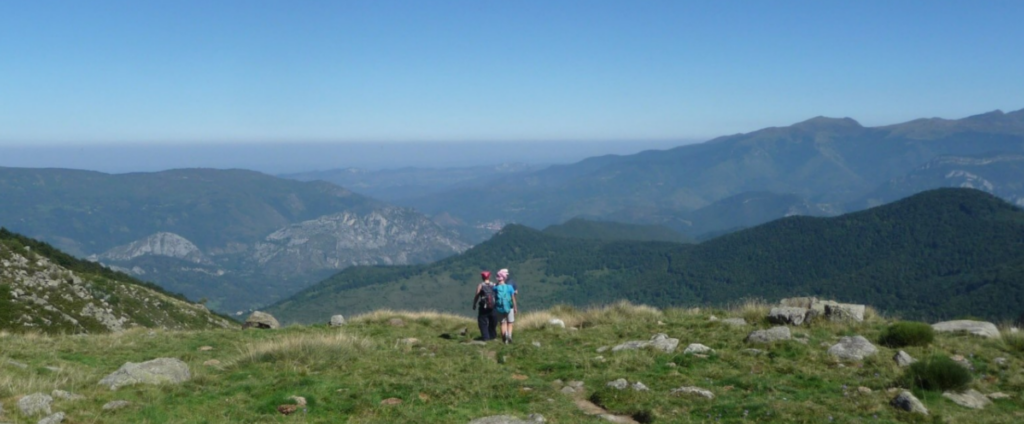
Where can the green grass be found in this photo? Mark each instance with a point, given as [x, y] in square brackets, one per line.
[345, 373]
[907, 333]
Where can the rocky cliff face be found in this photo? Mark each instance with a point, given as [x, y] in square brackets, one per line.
[998, 174]
[37, 294]
[160, 244]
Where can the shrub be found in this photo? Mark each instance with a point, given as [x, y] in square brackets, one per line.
[907, 333]
[938, 373]
[1014, 342]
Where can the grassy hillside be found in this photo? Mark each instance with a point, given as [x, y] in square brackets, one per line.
[45, 290]
[371, 371]
[604, 230]
[942, 253]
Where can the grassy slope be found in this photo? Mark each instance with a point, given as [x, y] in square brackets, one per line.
[939, 254]
[346, 373]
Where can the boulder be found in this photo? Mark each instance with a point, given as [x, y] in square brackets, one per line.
[115, 405]
[844, 312]
[659, 341]
[60, 394]
[968, 399]
[978, 328]
[735, 322]
[693, 391]
[555, 322]
[770, 335]
[908, 402]
[639, 387]
[35, 404]
[157, 371]
[697, 348]
[337, 321]
[798, 302]
[53, 419]
[854, 348]
[903, 359]
[261, 320]
[508, 419]
[787, 315]
[620, 384]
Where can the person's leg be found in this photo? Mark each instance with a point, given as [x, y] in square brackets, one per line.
[504, 330]
[511, 323]
[494, 323]
[484, 324]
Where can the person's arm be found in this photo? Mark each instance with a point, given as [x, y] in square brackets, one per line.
[515, 304]
[476, 296]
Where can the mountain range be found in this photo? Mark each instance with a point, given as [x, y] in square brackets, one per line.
[237, 238]
[930, 256]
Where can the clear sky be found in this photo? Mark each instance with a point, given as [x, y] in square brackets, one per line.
[85, 72]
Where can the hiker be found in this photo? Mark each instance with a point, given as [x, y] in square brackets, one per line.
[483, 303]
[505, 305]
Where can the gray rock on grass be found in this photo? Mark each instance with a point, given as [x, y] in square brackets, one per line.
[968, 399]
[659, 341]
[261, 320]
[786, 315]
[115, 405]
[508, 419]
[735, 322]
[693, 391]
[854, 348]
[977, 328]
[697, 348]
[35, 404]
[639, 387]
[61, 394]
[844, 312]
[157, 371]
[903, 359]
[620, 384]
[53, 419]
[908, 402]
[555, 322]
[337, 321]
[770, 335]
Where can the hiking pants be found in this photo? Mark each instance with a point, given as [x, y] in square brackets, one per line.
[488, 323]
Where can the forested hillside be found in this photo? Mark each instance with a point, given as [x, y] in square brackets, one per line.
[940, 254]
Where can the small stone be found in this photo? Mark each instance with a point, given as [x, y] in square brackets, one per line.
[299, 400]
[753, 352]
[1000, 361]
[864, 390]
[697, 348]
[908, 402]
[115, 405]
[712, 318]
[35, 404]
[619, 384]
[555, 322]
[576, 384]
[735, 322]
[770, 335]
[16, 364]
[60, 394]
[968, 399]
[671, 365]
[787, 315]
[536, 344]
[211, 363]
[391, 401]
[396, 322]
[854, 348]
[53, 419]
[568, 390]
[903, 359]
[336, 321]
[519, 377]
[599, 358]
[998, 395]
[205, 348]
[639, 387]
[695, 391]
[52, 369]
[409, 341]
[977, 328]
[156, 371]
[602, 349]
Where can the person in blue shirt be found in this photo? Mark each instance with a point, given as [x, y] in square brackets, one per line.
[506, 285]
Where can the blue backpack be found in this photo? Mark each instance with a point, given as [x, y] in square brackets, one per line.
[503, 299]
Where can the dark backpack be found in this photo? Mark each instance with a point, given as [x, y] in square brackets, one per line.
[486, 301]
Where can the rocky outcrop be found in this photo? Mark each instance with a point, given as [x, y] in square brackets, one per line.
[797, 310]
[787, 315]
[337, 321]
[160, 244]
[854, 348]
[977, 328]
[156, 371]
[261, 320]
[508, 419]
[908, 402]
[770, 335]
[35, 404]
[968, 399]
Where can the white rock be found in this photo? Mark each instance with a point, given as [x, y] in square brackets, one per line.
[337, 321]
[556, 322]
[35, 404]
[619, 384]
[853, 348]
[908, 402]
[692, 390]
[978, 328]
[695, 348]
[968, 399]
[53, 419]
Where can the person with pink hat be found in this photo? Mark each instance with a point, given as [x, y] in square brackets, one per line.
[506, 289]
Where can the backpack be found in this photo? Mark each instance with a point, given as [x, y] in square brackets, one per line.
[503, 302]
[486, 301]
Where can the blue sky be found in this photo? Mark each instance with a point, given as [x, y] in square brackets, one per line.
[87, 72]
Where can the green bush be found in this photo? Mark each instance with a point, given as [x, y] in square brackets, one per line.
[907, 333]
[938, 373]
[1014, 342]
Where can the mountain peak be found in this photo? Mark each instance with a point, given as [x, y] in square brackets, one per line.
[823, 123]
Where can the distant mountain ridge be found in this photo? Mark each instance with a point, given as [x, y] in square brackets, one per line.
[930, 256]
[828, 163]
[238, 238]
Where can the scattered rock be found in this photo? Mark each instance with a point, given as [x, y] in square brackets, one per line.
[908, 402]
[519, 377]
[35, 404]
[556, 322]
[476, 343]
[753, 352]
[697, 348]
[157, 371]
[299, 400]
[211, 363]
[998, 395]
[115, 405]
[602, 349]
[960, 359]
[261, 320]
[205, 348]
[409, 341]
[787, 315]
[1000, 361]
[576, 384]
[770, 335]
[710, 319]
[864, 390]
[671, 365]
[620, 384]
[464, 331]
[508, 419]
[53, 419]
[396, 322]
[903, 359]
[599, 358]
[854, 348]
[639, 387]
[844, 312]
[978, 328]
[568, 390]
[735, 322]
[798, 302]
[336, 321]
[391, 401]
[60, 394]
[659, 341]
[968, 399]
[691, 390]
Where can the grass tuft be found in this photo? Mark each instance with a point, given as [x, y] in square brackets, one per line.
[907, 333]
[938, 373]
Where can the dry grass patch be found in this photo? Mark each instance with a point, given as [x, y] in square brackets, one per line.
[386, 314]
[303, 347]
[753, 310]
